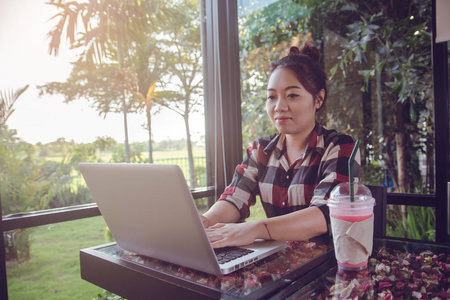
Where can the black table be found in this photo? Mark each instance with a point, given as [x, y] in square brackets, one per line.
[305, 270]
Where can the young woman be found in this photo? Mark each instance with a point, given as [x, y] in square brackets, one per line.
[292, 171]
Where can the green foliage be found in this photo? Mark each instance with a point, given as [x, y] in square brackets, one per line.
[21, 182]
[29, 182]
[377, 56]
[411, 222]
[7, 100]
[108, 235]
[170, 145]
[17, 244]
[394, 44]
[106, 295]
[136, 151]
[59, 186]
[270, 25]
[89, 81]
[103, 144]
[372, 176]
[58, 148]
[263, 37]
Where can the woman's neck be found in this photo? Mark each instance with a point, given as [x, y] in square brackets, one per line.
[296, 142]
[296, 146]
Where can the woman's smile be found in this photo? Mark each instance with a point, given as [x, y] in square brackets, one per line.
[282, 119]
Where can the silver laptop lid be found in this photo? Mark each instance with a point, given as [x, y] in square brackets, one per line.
[150, 210]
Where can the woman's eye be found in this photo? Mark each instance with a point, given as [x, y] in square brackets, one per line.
[270, 97]
[292, 95]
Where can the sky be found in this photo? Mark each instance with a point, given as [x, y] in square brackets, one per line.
[24, 59]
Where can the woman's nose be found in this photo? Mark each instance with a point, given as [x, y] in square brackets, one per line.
[281, 104]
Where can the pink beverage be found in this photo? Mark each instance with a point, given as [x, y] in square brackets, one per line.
[352, 226]
[352, 218]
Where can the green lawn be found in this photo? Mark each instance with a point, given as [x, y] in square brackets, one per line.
[257, 211]
[53, 272]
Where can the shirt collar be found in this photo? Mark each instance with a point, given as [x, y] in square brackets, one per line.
[278, 142]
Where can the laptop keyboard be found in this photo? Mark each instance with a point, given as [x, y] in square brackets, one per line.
[227, 254]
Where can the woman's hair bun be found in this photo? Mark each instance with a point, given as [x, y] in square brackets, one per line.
[294, 50]
[308, 49]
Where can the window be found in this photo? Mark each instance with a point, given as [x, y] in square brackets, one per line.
[65, 104]
[71, 108]
[380, 89]
[379, 61]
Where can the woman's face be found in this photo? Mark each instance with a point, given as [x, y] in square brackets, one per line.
[291, 108]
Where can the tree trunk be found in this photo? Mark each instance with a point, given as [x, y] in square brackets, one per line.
[402, 154]
[150, 144]
[389, 162]
[401, 148]
[192, 175]
[125, 126]
[124, 103]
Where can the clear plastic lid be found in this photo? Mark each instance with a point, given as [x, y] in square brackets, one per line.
[341, 192]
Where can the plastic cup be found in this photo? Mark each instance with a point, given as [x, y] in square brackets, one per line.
[352, 225]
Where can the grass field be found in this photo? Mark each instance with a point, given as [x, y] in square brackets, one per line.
[53, 272]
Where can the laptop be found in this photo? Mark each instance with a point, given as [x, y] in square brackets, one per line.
[150, 211]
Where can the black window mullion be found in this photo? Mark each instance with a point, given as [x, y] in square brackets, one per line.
[441, 121]
[3, 281]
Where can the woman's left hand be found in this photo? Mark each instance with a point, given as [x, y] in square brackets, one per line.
[233, 234]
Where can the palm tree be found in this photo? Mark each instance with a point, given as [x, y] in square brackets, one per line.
[7, 100]
[146, 102]
[110, 29]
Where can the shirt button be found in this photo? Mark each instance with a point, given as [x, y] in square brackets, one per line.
[283, 204]
[287, 176]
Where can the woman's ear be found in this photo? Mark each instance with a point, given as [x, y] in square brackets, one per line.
[319, 99]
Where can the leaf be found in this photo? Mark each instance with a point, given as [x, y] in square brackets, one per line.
[373, 27]
[348, 7]
[7, 103]
[151, 90]
[366, 74]
[379, 66]
[333, 70]
[360, 56]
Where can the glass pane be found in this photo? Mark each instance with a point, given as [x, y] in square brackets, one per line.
[63, 94]
[380, 87]
[448, 169]
[44, 262]
[411, 222]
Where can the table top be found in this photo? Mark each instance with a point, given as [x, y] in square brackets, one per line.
[304, 270]
[273, 269]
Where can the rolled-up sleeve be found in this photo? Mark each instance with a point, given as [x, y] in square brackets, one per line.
[334, 170]
[243, 188]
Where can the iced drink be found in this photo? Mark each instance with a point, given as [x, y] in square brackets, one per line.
[352, 225]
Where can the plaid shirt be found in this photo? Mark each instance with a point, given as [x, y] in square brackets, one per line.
[285, 188]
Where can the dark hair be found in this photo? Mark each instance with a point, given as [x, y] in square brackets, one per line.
[304, 62]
